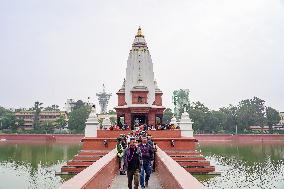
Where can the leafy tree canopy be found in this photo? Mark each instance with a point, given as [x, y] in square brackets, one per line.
[78, 117]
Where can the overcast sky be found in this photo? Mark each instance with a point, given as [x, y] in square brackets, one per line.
[223, 51]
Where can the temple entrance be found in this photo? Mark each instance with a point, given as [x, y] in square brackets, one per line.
[138, 119]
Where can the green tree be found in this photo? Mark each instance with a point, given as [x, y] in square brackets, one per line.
[272, 117]
[37, 109]
[230, 121]
[199, 113]
[250, 112]
[79, 104]
[78, 117]
[7, 118]
[46, 127]
[53, 107]
[60, 122]
[215, 120]
[167, 116]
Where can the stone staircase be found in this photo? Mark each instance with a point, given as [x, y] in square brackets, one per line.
[192, 161]
[82, 160]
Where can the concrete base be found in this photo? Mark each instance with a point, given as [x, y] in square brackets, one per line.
[187, 133]
[91, 130]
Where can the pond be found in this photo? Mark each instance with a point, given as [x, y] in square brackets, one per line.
[245, 165]
[242, 165]
[32, 165]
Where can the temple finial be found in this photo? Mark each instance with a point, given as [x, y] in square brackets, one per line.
[139, 32]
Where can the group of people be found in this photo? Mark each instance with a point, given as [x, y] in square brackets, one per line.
[136, 152]
[146, 127]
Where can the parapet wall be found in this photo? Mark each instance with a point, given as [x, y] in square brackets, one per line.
[99, 175]
[44, 137]
[154, 133]
[172, 175]
[241, 137]
[74, 138]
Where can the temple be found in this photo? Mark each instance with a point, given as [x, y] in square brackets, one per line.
[139, 99]
[139, 102]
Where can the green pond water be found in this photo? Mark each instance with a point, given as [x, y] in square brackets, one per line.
[242, 165]
[257, 165]
[33, 165]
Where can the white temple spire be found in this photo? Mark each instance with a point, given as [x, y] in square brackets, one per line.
[139, 71]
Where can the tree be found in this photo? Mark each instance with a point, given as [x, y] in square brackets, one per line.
[215, 120]
[78, 117]
[37, 108]
[61, 122]
[167, 116]
[53, 107]
[230, 114]
[251, 112]
[272, 117]
[199, 113]
[79, 104]
[46, 127]
[7, 118]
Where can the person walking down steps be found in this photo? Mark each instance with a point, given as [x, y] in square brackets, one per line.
[132, 163]
[120, 155]
[147, 157]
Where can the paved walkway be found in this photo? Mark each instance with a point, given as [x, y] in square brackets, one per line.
[120, 182]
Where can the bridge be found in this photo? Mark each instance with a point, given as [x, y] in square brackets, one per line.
[103, 174]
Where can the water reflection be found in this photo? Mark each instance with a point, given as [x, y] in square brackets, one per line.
[245, 165]
[33, 165]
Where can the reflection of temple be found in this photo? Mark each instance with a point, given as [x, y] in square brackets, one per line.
[139, 99]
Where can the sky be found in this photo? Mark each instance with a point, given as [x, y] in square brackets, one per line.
[223, 51]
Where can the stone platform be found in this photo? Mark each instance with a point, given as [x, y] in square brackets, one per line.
[181, 149]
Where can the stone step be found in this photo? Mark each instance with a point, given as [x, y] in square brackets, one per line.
[185, 153]
[183, 156]
[194, 163]
[188, 158]
[80, 163]
[92, 152]
[86, 158]
[72, 169]
[198, 170]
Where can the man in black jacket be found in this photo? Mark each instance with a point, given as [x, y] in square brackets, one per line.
[132, 163]
[147, 157]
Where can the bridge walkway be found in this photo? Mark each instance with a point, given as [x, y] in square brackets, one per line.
[120, 181]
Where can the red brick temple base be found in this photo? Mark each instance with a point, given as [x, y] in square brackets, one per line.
[181, 149]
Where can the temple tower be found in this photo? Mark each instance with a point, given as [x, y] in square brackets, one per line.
[139, 99]
[103, 98]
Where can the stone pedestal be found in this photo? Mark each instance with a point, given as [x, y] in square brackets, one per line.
[185, 125]
[106, 123]
[92, 124]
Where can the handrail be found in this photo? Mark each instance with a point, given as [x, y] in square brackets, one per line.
[172, 175]
[87, 177]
